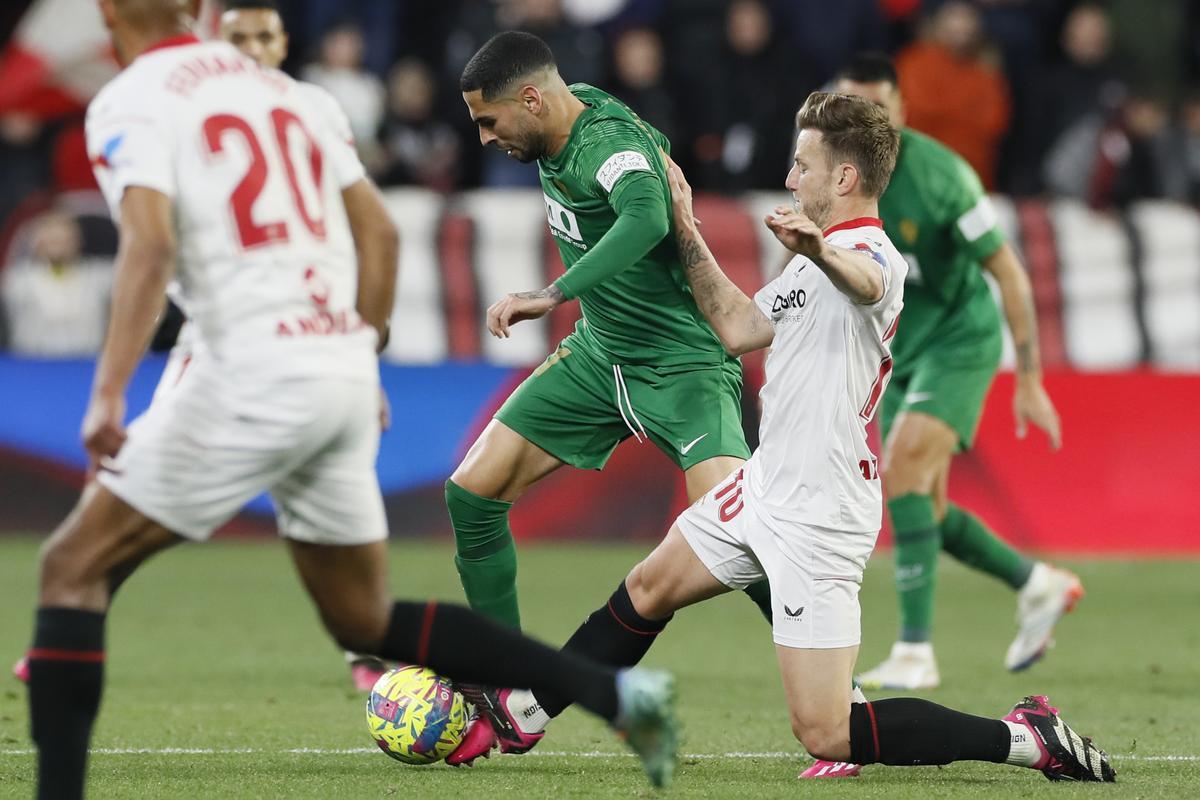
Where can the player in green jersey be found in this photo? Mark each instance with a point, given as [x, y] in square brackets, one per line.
[641, 363]
[946, 352]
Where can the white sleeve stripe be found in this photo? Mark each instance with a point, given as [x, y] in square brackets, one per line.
[979, 220]
[618, 164]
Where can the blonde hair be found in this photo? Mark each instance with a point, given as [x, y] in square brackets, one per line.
[855, 130]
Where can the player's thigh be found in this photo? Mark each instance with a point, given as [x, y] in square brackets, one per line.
[670, 578]
[565, 412]
[703, 477]
[918, 449]
[692, 414]
[502, 464]
[818, 685]
[349, 586]
[704, 554]
[95, 548]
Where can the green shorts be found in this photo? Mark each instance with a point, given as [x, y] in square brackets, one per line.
[577, 406]
[946, 384]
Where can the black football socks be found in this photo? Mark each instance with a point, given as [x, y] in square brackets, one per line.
[906, 731]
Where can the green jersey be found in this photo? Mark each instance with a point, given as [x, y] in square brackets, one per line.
[608, 204]
[936, 213]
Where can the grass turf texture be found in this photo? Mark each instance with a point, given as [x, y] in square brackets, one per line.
[216, 648]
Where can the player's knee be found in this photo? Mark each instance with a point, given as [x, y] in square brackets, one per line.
[907, 471]
[650, 598]
[822, 740]
[63, 571]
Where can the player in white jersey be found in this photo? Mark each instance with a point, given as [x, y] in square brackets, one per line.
[222, 174]
[805, 509]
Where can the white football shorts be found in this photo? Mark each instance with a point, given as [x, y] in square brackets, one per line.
[815, 573]
[210, 442]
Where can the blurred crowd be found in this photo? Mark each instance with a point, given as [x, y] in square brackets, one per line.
[1092, 99]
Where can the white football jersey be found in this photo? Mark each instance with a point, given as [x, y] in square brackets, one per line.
[825, 376]
[254, 164]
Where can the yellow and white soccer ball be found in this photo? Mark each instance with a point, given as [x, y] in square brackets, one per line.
[415, 715]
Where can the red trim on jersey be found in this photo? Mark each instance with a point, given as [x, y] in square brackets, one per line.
[858, 222]
[172, 41]
[51, 654]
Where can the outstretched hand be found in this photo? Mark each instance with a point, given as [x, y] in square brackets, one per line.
[1032, 404]
[514, 308]
[795, 231]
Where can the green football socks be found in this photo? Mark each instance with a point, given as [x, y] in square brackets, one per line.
[969, 540]
[486, 556]
[917, 545]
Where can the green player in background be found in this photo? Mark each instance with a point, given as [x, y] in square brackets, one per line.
[642, 362]
[946, 352]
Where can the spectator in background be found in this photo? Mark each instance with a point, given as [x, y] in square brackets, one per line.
[638, 79]
[579, 50]
[56, 301]
[379, 21]
[954, 88]
[360, 94]
[418, 148]
[1127, 157]
[749, 96]
[1189, 123]
[1085, 87]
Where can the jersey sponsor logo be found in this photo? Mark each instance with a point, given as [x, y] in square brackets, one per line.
[687, 447]
[793, 299]
[563, 222]
[618, 164]
[909, 231]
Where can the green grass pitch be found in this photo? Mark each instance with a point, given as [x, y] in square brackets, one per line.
[222, 685]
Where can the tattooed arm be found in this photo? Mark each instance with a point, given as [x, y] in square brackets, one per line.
[513, 308]
[1030, 403]
[739, 323]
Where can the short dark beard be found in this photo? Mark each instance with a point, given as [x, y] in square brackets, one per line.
[535, 148]
[821, 212]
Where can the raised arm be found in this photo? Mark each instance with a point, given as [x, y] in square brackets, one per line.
[377, 243]
[1030, 401]
[145, 263]
[738, 322]
[856, 275]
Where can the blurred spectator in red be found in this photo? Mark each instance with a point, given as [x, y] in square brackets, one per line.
[55, 300]
[418, 148]
[638, 79]
[954, 89]
[360, 94]
[748, 96]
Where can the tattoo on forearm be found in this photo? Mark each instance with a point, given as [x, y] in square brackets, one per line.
[1027, 352]
[691, 253]
[551, 292]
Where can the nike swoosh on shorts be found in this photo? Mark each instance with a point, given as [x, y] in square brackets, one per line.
[684, 450]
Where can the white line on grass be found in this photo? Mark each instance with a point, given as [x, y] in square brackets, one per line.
[324, 751]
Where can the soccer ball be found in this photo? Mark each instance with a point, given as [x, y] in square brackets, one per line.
[415, 715]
